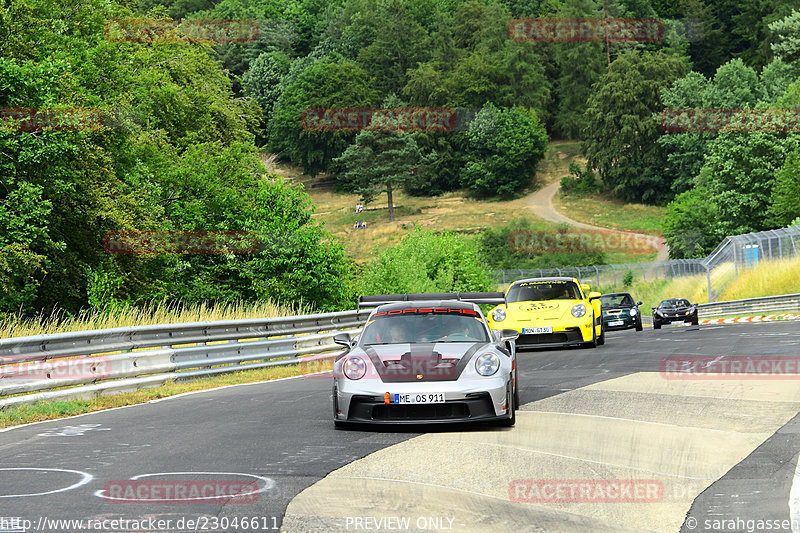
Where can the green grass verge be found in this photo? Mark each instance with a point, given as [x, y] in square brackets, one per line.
[27, 413]
[608, 212]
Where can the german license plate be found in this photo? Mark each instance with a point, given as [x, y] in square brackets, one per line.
[537, 331]
[616, 323]
[432, 397]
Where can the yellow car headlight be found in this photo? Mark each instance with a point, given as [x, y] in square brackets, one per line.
[578, 310]
[499, 314]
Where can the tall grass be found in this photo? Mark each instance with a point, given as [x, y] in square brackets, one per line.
[152, 313]
[767, 279]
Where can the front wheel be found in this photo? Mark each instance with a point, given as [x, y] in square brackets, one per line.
[695, 320]
[656, 324]
[601, 340]
[508, 422]
[639, 326]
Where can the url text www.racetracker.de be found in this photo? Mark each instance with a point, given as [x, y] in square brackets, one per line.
[9, 524]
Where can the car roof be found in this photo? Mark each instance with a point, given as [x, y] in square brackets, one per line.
[425, 304]
[615, 294]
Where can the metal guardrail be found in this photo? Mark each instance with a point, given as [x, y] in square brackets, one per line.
[87, 363]
[766, 304]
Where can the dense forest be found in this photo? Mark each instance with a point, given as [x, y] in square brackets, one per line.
[192, 118]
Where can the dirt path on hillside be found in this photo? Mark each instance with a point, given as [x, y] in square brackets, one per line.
[541, 203]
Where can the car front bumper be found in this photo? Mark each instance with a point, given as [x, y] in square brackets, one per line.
[363, 402]
[565, 332]
[627, 322]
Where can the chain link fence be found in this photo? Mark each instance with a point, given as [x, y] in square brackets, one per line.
[733, 254]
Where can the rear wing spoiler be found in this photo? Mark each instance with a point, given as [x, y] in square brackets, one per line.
[488, 298]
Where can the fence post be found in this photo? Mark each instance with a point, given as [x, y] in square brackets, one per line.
[644, 273]
[597, 272]
[615, 275]
[708, 279]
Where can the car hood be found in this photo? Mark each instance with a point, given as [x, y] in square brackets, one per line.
[543, 310]
[673, 310]
[437, 361]
[607, 309]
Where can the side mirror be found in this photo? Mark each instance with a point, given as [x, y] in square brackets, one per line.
[694, 305]
[594, 296]
[653, 308]
[343, 339]
[638, 303]
[585, 286]
[508, 335]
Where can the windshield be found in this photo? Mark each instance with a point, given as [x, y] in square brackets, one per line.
[672, 304]
[424, 327]
[534, 291]
[616, 300]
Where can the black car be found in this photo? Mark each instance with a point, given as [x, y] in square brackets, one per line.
[674, 310]
[620, 311]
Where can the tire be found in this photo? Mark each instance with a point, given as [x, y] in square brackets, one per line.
[516, 389]
[337, 424]
[639, 325]
[592, 343]
[656, 324]
[509, 422]
[695, 320]
[601, 340]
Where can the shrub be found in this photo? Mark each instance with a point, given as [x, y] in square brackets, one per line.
[424, 261]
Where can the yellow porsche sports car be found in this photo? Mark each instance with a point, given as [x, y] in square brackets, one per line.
[551, 312]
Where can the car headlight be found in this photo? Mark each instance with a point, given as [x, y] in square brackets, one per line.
[487, 364]
[355, 368]
[633, 312]
[578, 310]
[688, 313]
[499, 314]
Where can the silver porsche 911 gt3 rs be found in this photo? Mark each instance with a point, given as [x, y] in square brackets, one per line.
[426, 358]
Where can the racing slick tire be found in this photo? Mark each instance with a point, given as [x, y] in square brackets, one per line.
[337, 424]
[508, 422]
[592, 343]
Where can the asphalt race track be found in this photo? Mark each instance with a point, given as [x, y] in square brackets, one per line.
[723, 452]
